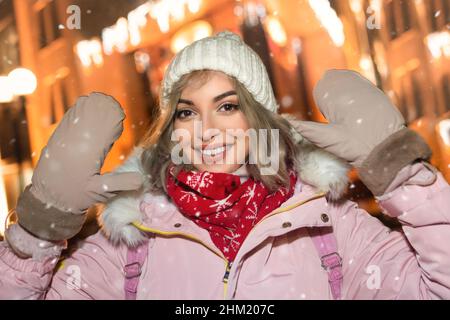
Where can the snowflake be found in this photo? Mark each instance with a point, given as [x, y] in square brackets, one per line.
[287, 101]
[253, 212]
[203, 180]
[282, 192]
[250, 193]
[233, 243]
[221, 204]
[188, 196]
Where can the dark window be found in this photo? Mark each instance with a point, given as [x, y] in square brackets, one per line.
[14, 140]
[446, 8]
[43, 41]
[446, 91]
[417, 96]
[431, 14]
[390, 16]
[438, 14]
[399, 17]
[405, 10]
[48, 24]
[64, 93]
[55, 20]
[403, 104]
[53, 104]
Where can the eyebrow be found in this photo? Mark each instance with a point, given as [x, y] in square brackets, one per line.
[218, 98]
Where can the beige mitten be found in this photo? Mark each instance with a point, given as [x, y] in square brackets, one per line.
[364, 128]
[67, 179]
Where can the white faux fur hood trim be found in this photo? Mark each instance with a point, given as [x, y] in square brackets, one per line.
[317, 167]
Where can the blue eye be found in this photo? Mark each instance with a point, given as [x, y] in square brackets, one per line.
[229, 107]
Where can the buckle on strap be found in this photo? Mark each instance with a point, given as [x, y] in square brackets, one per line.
[331, 261]
[132, 270]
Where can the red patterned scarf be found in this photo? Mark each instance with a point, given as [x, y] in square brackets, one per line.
[225, 207]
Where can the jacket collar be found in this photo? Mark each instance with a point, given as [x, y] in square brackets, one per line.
[303, 209]
[319, 172]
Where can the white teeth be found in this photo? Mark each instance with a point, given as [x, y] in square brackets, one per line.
[213, 152]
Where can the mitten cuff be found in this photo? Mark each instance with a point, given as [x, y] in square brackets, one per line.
[384, 162]
[44, 221]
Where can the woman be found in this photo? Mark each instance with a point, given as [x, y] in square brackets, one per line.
[210, 221]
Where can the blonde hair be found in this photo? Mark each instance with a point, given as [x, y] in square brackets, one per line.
[157, 142]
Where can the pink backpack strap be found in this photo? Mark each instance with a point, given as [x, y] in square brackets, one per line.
[326, 245]
[132, 270]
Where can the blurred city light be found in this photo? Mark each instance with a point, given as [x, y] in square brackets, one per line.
[439, 44]
[276, 30]
[22, 81]
[192, 32]
[90, 52]
[329, 19]
[444, 130]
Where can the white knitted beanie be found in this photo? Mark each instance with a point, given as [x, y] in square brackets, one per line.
[225, 52]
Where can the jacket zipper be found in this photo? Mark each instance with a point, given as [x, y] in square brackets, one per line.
[225, 278]
[228, 264]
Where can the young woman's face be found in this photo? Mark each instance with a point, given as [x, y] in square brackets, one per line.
[211, 116]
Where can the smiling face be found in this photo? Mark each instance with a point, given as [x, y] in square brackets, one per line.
[211, 115]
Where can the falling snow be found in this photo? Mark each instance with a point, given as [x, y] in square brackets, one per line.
[287, 101]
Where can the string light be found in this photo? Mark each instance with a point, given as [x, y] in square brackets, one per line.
[128, 30]
[329, 19]
[439, 44]
[90, 52]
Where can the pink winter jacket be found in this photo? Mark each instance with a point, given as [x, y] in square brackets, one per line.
[278, 260]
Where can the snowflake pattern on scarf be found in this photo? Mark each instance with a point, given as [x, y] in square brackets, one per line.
[225, 207]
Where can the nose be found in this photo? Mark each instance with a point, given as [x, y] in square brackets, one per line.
[209, 128]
